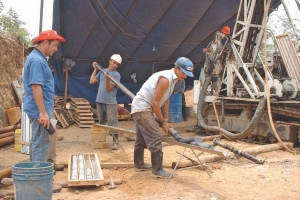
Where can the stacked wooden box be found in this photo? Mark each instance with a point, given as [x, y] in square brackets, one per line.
[59, 101]
[82, 112]
[63, 117]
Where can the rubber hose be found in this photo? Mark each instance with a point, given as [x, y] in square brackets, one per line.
[203, 145]
[236, 136]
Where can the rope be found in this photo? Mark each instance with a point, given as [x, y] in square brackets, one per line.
[116, 23]
[293, 151]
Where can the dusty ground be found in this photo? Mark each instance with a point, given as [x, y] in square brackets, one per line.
[236, 178]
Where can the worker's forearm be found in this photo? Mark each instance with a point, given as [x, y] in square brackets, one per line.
[166, 109]
[38, 98]
[108, 85]
[157, 111]
[92, 78]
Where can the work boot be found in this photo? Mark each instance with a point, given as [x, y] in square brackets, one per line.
[56, 188]
[157, 169]
[115, 142]
[58, 167]
[139, 164]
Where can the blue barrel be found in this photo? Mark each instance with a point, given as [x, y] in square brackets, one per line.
[33, 180]
[175, 109]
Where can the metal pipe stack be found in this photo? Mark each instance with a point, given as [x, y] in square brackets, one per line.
[25, 133]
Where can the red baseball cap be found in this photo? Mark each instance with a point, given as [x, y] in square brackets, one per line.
[48, 35]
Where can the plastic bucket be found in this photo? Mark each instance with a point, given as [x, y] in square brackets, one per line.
[33, 180]
[175, 108]
[18, 140]
[98, 137]
[13, 115]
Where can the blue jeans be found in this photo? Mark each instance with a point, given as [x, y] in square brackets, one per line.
[109, 112]
[39, 143]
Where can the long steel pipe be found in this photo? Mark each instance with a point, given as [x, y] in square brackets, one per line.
[120, 86]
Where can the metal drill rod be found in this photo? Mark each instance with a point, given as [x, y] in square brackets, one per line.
[115, 81]
[237, 151]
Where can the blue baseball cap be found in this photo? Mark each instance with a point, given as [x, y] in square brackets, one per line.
[185, 65]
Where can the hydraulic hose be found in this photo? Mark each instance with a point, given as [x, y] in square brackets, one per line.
[293, 151]
[236, 136]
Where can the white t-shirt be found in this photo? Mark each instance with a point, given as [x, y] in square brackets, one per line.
[143, 99]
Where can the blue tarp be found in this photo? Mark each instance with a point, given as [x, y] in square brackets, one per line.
[149, 35]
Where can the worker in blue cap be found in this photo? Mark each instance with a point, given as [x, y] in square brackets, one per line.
[153, 95]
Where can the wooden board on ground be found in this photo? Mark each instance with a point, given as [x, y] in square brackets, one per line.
[85, 172]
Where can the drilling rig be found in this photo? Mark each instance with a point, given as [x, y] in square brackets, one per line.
[233, 95]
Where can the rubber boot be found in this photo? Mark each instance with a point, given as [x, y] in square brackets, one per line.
[115, 142]
[139, 164]
[157, 169]
[56, 167]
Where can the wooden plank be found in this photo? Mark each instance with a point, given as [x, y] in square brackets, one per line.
[173, 141]
[117, 165]
[79, 101]
[114, 165]
[82, 125]
[80, 106]
[70, 114]
[84, 118]
[81, 110]
[116, 129]
[84, 114]
[86, 122]
[164, 139]
[63, 118]
[57, 116]
[85, 126]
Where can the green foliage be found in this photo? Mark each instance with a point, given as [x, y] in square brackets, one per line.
[11, 23]
[278, 23]
[281, 24]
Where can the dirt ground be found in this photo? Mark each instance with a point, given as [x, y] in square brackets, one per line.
[277, 178]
